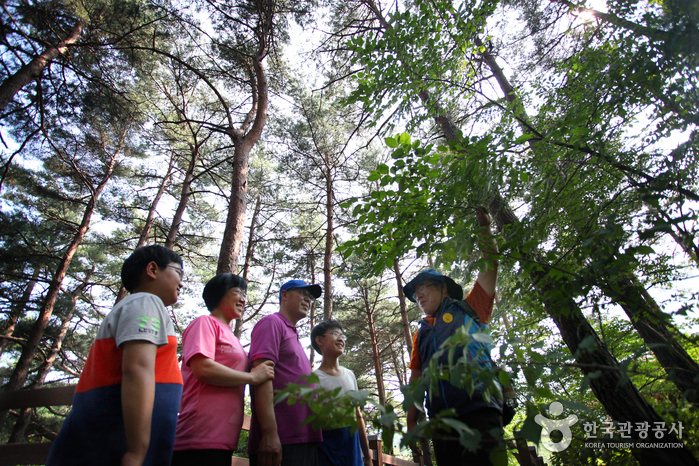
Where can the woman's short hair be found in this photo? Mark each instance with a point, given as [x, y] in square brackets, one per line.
[217, 287]
[321, 329]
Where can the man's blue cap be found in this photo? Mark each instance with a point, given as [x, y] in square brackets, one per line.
[453, 289]
[315, 290]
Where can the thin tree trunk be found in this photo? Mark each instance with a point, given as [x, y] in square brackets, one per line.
[32, 70]
[403, 307]
[25, 416]
[375, 353]
[17, 310]
[652, 324]
[184, 197]
[399, 368]
[145, 231]
[312, 315]
[329, 241]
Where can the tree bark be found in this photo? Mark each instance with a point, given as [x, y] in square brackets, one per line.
[32, 70]
[619, 396]
[312, 314]
[652, 325]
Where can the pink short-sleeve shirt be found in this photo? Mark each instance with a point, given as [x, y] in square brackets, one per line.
[210, 417]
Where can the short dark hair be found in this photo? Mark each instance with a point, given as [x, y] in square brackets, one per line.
[217, 287]
[135, 264]
[321, 329]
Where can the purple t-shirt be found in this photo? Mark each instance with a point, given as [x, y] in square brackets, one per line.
[274, 338]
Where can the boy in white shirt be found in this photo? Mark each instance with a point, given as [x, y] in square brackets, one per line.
[340, 447]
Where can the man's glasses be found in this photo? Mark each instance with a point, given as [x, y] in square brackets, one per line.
[422, 287]
[305, 293]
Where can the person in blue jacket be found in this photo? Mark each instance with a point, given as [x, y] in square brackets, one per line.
[441, 300]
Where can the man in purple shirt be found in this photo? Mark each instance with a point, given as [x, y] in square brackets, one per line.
[276, 434]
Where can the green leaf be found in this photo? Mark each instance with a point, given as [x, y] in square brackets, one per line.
[391, 142]
[643, 250]
[523, 138]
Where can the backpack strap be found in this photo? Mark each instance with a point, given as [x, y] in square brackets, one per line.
[468, 310]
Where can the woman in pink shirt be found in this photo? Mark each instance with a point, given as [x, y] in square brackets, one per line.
[215, 370]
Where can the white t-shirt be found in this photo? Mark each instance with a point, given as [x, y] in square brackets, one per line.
[347, 381]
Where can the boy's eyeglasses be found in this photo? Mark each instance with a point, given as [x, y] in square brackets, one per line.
[179, 271]
[339, 335]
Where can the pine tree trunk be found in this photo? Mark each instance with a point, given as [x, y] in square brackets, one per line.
[375, 352]
[312, 314]
[243, 143]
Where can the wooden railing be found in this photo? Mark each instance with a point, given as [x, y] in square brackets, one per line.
[31, 453]
[36, 453]
[526, 454]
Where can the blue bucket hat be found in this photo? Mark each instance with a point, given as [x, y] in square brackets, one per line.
[453, 289]
[315, 290]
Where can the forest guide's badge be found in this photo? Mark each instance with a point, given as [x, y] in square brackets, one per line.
[448, 318]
